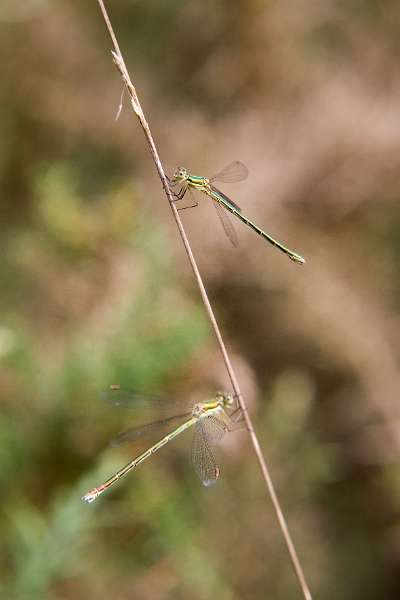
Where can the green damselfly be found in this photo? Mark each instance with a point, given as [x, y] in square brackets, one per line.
[211, 420]
[235, 171]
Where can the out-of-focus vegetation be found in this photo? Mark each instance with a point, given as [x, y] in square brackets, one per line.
[95, 289]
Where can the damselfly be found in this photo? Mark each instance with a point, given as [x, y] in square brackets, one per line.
[235, 171]
[211, 420]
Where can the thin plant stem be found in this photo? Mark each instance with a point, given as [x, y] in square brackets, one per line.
[120, 64]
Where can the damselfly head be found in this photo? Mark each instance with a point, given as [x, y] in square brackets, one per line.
[224, 398]
[180, 174]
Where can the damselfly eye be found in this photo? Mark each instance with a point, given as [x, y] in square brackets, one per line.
[224, 398]
[180, 173]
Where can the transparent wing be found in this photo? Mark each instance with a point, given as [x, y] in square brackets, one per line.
[227, 224]
[134, 433]
[235, 171]
[117, 396]
[207, 430]
[225, 198]
[214, 428]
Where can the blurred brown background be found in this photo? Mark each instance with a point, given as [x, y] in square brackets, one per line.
[95, 289]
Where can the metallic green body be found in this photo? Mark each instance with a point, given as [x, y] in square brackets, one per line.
[214, 409]
[202, 184]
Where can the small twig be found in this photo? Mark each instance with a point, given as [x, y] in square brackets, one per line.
[120, 63]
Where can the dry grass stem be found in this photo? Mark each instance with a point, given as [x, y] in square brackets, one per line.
[119, 62]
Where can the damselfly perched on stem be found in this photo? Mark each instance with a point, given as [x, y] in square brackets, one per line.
[211, 420]
[235, 171]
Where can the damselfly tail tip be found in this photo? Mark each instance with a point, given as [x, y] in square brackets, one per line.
[90, 496]
[297, 258]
